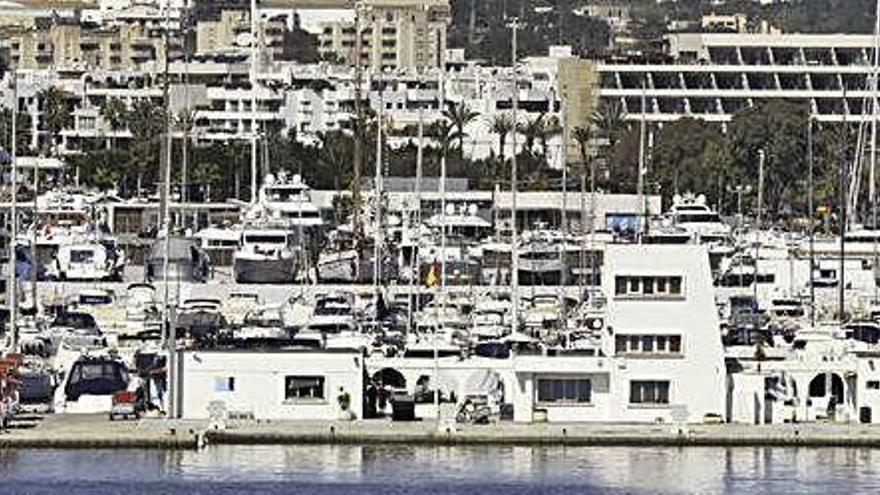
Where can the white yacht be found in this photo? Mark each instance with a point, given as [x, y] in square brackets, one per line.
[266, 255]
[692, 215]
[86, 260]
[276, 238]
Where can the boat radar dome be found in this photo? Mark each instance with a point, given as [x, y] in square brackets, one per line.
[472, 210]
[269, 180]
[297, 179]
[701, 199]
[450, 209]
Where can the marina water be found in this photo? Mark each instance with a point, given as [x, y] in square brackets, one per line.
[398, 469]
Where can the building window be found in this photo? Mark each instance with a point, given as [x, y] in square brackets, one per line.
[873, 385]
[649, 392]
[648, 287]
[306, 388]
[655, 345]
[224, 384]
[564, 391]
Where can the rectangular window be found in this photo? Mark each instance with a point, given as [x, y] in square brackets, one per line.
[661, 343]
[304, 388]
[564, 390]
[873, 385]
[225, 384]
[633, 285]
[653, 345]
[648, 287]
[649, 392]
[661, 285]
[634, 343]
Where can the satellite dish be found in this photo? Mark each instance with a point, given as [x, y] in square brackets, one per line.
[244, 39]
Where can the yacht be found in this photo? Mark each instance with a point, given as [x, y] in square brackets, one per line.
[89, 384]
[91, 261]
[187, 262]
[692, 215]
[266, 256]
[278, 238]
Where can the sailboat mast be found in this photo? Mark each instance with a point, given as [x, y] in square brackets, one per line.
[442, 106]
[358, 130]
[11, 288]
[872, 191]
[810, 217]
[168, 339]
[514, 244]
[253, 82]
[377, 248]
[640, 180]
[416, 220]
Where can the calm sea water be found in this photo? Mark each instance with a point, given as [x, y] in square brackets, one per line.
[367, 470]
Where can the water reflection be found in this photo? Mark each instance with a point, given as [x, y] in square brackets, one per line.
[418, 469]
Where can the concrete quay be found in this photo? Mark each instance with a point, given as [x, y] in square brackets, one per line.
[95, 431]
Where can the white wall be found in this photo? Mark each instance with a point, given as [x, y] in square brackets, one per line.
[259, 382]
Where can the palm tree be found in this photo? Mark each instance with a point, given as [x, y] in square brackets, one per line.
[459, 116]
[146, 122]
[549, 128]
[205, 174]
[582, 135]
[444, 134]
[115, 113]
[335, 153]
[501, 124]
[532, 130]
[56, 113]
[609, 120]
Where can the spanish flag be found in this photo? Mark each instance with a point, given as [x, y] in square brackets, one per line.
[433, 277]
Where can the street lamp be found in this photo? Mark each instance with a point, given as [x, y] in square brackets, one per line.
[739, 190]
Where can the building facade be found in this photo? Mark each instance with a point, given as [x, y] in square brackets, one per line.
[395, 34]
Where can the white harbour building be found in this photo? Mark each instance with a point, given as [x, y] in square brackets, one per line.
[711, 76]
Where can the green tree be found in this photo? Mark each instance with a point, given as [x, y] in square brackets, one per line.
[679, 159]
[23, 130]
[502, 125]
[778, 128]
[115, 113]
[459, 116]
[57, 115]
[146, 122]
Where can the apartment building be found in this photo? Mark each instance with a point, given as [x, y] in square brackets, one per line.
[232, 28]
[65, 44]
[395, 34]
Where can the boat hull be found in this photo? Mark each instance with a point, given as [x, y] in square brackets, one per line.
[264, 271]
